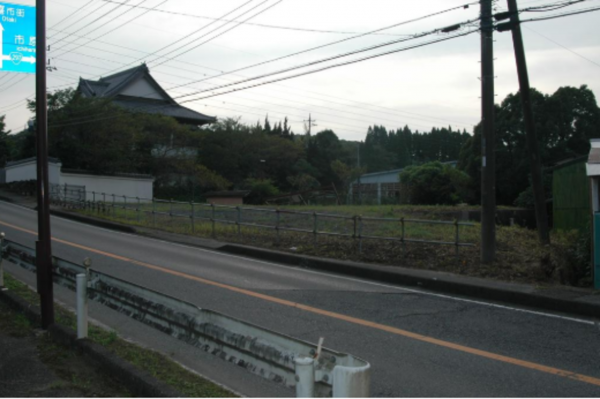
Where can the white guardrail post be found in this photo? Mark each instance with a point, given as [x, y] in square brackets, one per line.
[82, 300]
[305, 377]
[351, 382]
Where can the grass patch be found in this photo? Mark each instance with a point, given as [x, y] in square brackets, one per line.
[520, 257]
[158, 365]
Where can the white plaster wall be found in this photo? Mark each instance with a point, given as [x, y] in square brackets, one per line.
[130, 187]
[28, 171]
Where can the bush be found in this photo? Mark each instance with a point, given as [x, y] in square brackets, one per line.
[260, 190]
[435, 184]
[574, 249]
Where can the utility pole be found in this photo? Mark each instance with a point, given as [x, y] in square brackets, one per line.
[311, 123]
[532, 143]
[488, 160]
[43, 246]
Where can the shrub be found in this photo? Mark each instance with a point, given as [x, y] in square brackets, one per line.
[435, 184]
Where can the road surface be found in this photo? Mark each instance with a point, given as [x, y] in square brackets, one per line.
[419, 343]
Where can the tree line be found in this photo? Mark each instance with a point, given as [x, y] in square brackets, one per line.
[95, 135]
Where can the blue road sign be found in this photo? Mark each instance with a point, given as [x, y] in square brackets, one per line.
[17, 38]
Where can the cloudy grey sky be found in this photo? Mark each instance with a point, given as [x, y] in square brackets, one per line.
[433, 85]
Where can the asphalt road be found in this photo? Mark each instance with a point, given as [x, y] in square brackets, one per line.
[419, 343]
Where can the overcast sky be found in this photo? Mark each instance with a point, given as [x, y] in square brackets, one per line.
[433, 85]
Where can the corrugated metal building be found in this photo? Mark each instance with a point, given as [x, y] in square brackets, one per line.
[571, 207]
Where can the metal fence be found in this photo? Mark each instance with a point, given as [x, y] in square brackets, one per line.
[278, 357]
[67, 193]
[156, 212]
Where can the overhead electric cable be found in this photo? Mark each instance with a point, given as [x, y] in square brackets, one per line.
[218, 35]
[67, 34]
[349, 38]
[109, 31]
[194, 32]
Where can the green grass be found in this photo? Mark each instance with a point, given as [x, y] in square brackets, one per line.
[520, 257]
[158, 365]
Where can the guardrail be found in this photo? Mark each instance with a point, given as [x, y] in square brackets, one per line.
[312, 369]
[147, 211]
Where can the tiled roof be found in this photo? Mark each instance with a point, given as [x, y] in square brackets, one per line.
[112, 86]
[163, 108]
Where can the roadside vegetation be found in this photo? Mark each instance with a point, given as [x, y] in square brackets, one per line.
[158, 365]
[520, 256]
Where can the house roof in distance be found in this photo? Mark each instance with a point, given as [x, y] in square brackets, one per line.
[136, 90]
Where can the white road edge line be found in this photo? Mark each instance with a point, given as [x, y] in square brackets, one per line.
[426, 293]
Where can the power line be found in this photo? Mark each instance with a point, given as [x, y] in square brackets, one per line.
[333, 66]
[198, 30]
[220, 34]
[309, 64]
[350, 38]
[80, 29]
[73, 13]
[109, 31]
[98, 27]
[564, 47]
[310, 30]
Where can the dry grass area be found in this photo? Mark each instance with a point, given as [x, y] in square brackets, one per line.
[520, 257]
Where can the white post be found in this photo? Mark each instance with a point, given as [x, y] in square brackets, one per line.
[305, 377]
[82, 306]
[1, 268]
[82, 300]
[351, 382]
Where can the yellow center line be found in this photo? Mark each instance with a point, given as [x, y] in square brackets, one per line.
[338, 316]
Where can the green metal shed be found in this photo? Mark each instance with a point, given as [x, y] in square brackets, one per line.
[571, 195]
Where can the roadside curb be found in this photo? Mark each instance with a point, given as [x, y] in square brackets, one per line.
[93, 221]
[580, 302]
[140, 383]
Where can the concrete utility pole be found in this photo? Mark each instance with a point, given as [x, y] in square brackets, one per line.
[43, 245]
[532, 143]
[488, 160]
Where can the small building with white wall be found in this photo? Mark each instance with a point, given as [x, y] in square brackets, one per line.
[92, 186]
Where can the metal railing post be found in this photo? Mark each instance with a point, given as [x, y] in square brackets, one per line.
[192, 217]
[315, 228]
[403, 237]
[277, 216]
[457, 236]
[355, 231]
[153, 213]
[212, 219]
[137, 210]
[171, 209]
[305, 377]
[360, 227]
[2, 236]
[113, 206]
[239, 219]
[125, 206]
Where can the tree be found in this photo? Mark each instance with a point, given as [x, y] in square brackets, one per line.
[435, 184]
[565, 122]
[346, 174]
[5, 150]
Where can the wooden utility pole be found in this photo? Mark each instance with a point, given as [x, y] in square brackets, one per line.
[488, 160]
[43, 245]
[532, 143]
